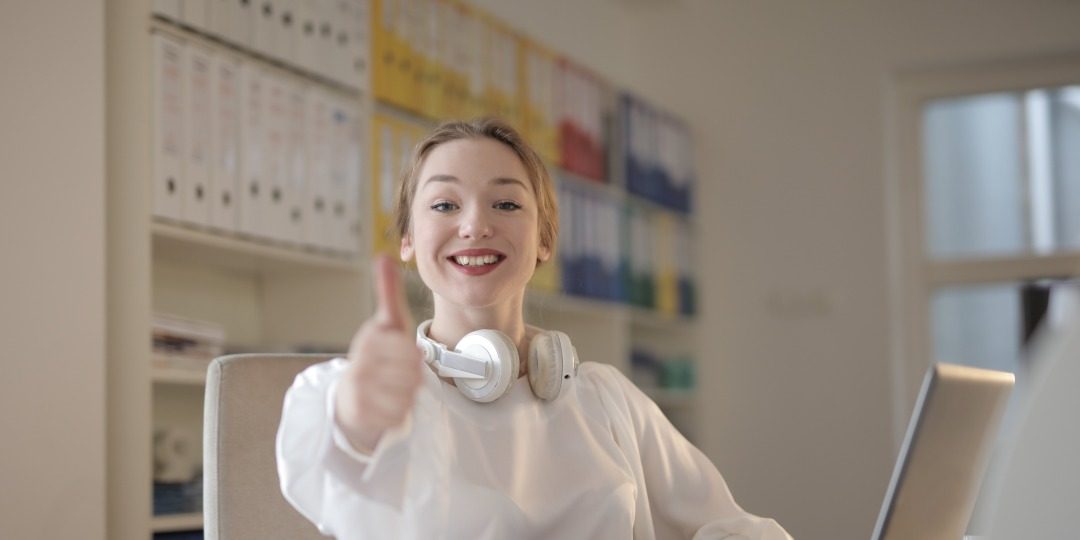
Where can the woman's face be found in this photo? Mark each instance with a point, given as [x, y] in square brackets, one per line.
[474, 223]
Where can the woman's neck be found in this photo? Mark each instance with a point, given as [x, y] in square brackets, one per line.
[451, 322]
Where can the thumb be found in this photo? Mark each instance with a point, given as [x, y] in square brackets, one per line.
[392, 310]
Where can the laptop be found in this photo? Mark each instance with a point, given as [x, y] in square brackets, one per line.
[948, 444]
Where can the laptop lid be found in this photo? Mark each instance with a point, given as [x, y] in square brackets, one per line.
[940, 466]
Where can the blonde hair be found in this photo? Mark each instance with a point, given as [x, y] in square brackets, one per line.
[481, 128]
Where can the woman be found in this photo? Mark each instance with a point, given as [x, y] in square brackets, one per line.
[380, 445]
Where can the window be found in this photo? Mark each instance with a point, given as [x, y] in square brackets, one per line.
[984, 201]
[1002, 173]
[1001, 185]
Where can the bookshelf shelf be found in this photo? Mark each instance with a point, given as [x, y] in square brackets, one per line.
[176, 522]
[178, 376]
[657, 320]
[178, 242]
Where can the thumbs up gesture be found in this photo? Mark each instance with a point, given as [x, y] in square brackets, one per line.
[378, 389]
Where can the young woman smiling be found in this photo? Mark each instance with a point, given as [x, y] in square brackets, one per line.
[411, 436]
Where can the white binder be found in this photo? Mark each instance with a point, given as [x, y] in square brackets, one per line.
[169, 9]
[220, 18]
[252, 119]
[610, 246]
[264, 27]
[327, 31]
[685, 175]
[360, 47]
[356, 174]
[296, 163]
[275, 172]
[316, 40]
[168, 127]
[243, 23]
[307, 44]
[666, 159]
[639, 254]
[318, 167]
[288, 31]
[343, 227]
[341, 57]
[225, 173]
[196, 14]
[594, 238]
[337, 189]
[198, 146]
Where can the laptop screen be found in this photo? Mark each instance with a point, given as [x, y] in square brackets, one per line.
[941, 464]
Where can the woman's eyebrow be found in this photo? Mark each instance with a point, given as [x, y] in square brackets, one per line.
[441, 178]
[504, 180]
[499, 180]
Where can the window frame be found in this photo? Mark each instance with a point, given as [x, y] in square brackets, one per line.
[913, 276]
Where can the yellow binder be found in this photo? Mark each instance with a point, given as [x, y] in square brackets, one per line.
[384, 59]
[667, 284]
[384, 165]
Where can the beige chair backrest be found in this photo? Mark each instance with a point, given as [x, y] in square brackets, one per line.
[242, 499]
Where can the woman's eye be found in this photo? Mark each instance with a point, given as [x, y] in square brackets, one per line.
[507, 205]
[443, 206]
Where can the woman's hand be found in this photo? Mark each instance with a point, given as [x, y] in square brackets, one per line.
[377, 390]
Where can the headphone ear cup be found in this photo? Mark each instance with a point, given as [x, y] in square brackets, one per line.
[502, 361]
[552, 361]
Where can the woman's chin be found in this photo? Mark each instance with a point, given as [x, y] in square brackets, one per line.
[474, 297]
[476, 292]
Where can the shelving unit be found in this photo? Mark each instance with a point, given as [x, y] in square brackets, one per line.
[270, 296]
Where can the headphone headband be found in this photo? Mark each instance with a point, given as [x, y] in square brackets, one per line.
[485, 362]
[447, 362]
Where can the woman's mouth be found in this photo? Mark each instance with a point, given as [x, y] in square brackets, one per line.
[476, 260]
[476, 265]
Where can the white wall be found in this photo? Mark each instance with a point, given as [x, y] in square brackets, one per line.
[788, 101]
[52, 278]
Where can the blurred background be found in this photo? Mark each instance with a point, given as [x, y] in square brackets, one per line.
[775, 215]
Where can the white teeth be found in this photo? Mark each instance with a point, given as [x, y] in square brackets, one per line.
[479, 260]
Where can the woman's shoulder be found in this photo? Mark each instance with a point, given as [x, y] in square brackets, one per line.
[321, 373]
[605, 378]
[597, 371]
[600, 371]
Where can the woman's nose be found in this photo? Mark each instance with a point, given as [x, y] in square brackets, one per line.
[474, 225]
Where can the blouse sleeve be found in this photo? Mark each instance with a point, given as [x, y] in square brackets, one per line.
[687, 496]
[320, 473]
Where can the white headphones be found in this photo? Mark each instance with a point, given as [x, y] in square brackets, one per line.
[484, 364]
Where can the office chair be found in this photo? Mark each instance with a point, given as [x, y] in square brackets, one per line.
[241, 495]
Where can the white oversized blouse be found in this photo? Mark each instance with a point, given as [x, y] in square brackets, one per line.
[601, 461]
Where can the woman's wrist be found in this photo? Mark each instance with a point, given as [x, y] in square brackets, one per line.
[364, 446]
[359, 438]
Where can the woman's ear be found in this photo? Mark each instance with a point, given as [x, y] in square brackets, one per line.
[543, 252]
[407, 251]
